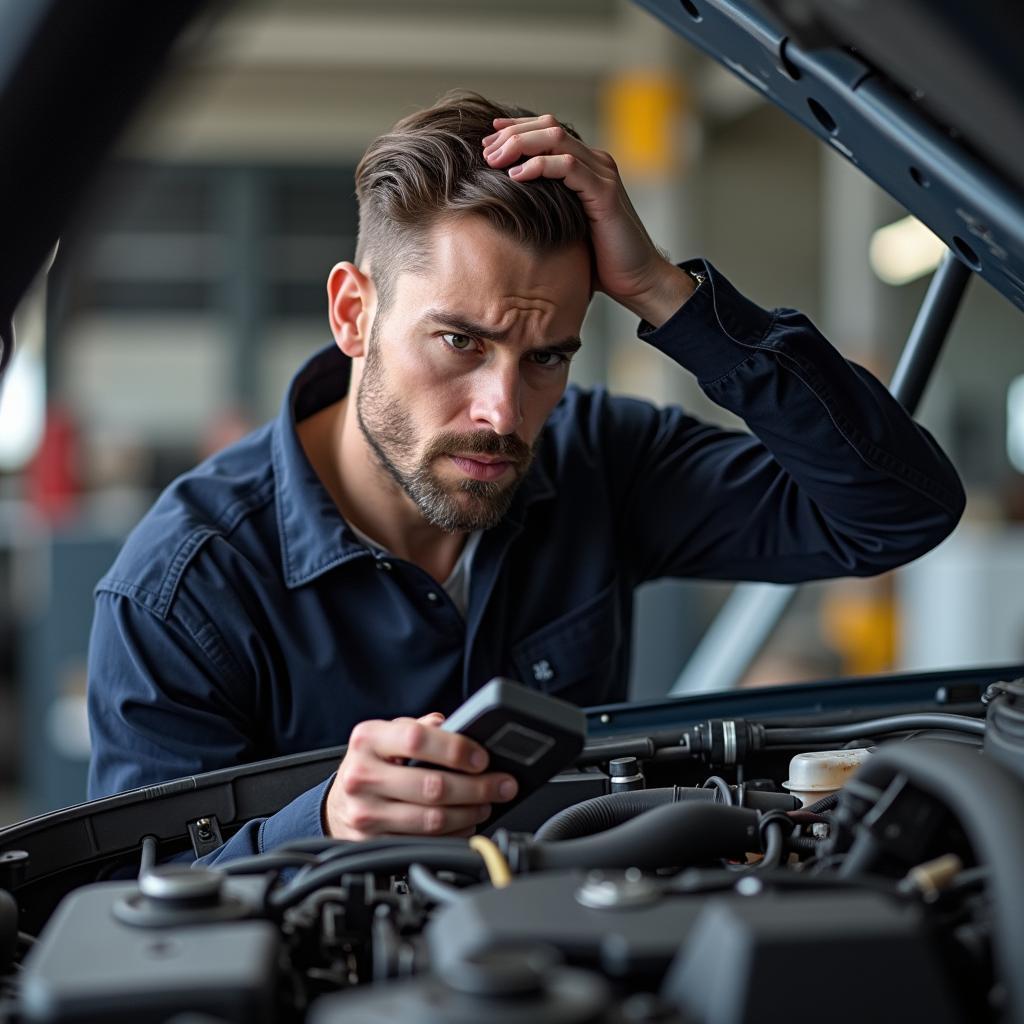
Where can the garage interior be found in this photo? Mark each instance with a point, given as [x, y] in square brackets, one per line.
[181, 302]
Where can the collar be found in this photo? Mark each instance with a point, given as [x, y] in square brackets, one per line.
[314, 535]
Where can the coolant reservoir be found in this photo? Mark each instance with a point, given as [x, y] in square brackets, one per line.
[822, 772]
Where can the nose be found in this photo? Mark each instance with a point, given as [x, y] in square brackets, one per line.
[496, 399]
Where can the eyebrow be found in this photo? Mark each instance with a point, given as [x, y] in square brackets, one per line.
[447, 318]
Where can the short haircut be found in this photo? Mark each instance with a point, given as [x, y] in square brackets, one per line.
[429, 166]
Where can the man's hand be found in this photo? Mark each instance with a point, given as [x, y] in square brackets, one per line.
[375, 793]
[630, 268]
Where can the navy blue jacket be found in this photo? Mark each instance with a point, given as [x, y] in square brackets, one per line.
[243, 618]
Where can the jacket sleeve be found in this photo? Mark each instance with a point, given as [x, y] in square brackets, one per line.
[164, 704]
[834, 479]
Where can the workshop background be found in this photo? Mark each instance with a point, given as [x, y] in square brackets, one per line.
[181, 303]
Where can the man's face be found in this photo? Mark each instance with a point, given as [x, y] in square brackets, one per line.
[465, 366]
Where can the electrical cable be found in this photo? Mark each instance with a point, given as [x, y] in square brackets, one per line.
[381, 861]
[272, 861]
[346, 847]
[494, 860]
[429, 885]
[776, 737]
[318, 845]
[718, 783]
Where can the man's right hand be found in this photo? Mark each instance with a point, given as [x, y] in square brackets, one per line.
[375, 793]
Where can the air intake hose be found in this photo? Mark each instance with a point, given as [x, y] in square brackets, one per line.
[604, 812]
[672, 836]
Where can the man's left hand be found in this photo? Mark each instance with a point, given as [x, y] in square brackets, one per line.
[629, 266]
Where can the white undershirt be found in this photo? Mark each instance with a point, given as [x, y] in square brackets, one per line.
[457, 584]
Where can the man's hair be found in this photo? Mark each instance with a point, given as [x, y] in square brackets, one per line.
[429, 166]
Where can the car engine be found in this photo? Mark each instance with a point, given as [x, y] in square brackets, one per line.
[729, 872]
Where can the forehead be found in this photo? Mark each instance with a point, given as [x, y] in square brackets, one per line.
[473, 267]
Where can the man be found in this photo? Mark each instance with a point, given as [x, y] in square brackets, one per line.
[433, 507]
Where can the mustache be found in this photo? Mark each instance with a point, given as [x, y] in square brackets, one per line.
[481, 442]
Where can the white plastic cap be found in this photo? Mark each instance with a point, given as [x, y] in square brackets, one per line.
[821, 772]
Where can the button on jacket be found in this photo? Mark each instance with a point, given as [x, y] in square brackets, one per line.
[244, 619]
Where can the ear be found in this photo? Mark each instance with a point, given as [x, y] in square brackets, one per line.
[351, 304]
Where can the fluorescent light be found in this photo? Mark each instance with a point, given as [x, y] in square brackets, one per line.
[904, 251]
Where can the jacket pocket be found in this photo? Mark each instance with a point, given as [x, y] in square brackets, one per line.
[576, 655]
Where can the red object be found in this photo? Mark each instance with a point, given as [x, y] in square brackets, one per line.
[52, 478]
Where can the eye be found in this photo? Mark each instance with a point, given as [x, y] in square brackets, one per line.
[549, 359]
[459, 342]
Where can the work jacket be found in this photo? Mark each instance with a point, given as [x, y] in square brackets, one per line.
[244, 619]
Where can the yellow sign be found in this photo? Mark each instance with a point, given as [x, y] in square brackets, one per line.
[643, 116]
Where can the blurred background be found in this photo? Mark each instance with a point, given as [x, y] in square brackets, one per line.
[182, 301]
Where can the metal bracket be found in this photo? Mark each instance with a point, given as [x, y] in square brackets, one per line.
[205, 835]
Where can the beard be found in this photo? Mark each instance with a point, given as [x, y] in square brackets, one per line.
[456, 507]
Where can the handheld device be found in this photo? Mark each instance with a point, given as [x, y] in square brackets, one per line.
[526, 733]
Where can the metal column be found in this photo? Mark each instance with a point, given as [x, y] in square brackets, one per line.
[929, 333]
[741, 628]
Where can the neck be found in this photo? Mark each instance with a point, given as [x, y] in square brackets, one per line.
[368, 497]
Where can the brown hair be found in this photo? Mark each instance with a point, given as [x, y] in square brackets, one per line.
[431, 164]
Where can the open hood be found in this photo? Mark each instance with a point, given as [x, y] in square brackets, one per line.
[924, 97]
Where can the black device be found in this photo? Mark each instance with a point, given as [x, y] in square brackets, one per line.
[528, 734]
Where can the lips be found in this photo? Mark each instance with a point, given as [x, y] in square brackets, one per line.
[481, 467]
[487, 460]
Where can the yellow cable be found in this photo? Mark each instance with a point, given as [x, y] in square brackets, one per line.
[494, 861]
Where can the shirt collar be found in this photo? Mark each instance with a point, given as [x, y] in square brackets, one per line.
[314, 535]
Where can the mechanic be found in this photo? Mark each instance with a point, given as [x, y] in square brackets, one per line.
[433, 506]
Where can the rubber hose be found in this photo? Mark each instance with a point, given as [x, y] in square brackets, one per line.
[988, 801]
[826, 803]
[430, 886]
[773, 846]
[377, 861]
[807, 843]
[604, 812]
[779, 737]
[672, 836]
[147, 856]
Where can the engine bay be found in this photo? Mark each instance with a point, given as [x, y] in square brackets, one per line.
[730, 871]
